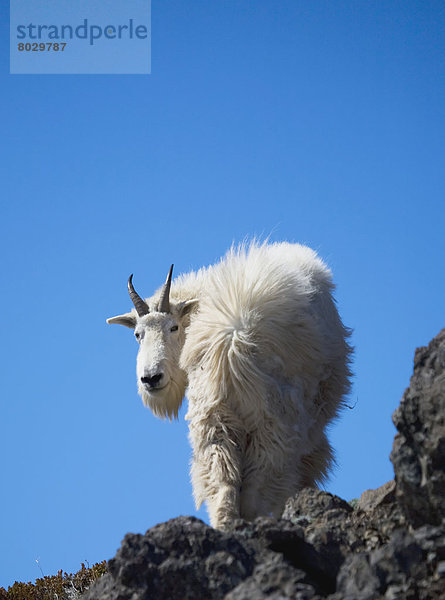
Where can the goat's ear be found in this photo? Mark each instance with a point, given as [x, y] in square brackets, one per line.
[128, 320]
[187, 307]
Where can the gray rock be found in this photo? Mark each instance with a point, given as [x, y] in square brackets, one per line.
[274, 578]
[312, 504]
[357, 580]
[283, 538]
[182, 558]
[371, 499]
[418, 453]
[407, 567]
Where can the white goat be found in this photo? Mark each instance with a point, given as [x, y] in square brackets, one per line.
[258, 341]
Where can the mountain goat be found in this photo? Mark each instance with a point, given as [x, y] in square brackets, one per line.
[257, 341]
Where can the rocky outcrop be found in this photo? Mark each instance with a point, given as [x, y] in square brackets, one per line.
[390, 546]
[182, 558]
[418, 453]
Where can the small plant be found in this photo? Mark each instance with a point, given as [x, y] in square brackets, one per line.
[63, 586]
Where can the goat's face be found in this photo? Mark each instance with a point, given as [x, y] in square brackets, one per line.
[161, 336]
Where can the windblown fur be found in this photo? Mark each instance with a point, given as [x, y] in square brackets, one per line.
[265, 357]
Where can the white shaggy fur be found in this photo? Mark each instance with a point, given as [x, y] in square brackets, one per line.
[264, 354]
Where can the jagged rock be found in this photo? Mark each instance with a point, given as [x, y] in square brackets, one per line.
[274, 579]
[356, 580]
[371, 499]
[283, 538]
[407, 567]
[183, 558]
[418, 453]
[326, 524]
[312, 504]
[335, 530]
[390, 547]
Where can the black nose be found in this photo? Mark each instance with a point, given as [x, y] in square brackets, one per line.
[153, 381]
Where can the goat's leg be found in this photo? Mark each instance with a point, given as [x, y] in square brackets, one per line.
[216, 471]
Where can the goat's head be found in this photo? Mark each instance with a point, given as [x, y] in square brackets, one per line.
[159, 327]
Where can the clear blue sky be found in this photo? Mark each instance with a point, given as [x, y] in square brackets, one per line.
[313, 121]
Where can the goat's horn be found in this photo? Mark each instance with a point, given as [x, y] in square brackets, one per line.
[164, 300]
[139, 304]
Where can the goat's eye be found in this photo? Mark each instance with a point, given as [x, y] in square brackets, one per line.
[174, 328]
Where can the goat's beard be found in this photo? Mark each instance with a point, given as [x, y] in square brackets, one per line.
[167, 401]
